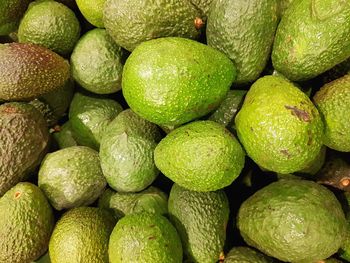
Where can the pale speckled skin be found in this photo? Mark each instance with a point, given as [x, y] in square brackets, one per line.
[28, 71]
[171, 81]
[71, 177]
[293, 221]
[246, 255]
[244, 30]
[201, 220]
[24, 138]
[82, 235]
[279, 126]
[11, 12]
[201, 156]
[144, 238]
[26, 223]
[333, 102]
[312, 37]
[135, 21]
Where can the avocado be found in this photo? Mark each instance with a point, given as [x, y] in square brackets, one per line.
[28, 71]
[89, 117]
[282, 7]
[82, 235]
[63, 135]
[333, 102]
[202, 5]
[71, 177]
[313, 167]
[144, 238]
[336, 72]
[344, 251]
[126, 152]
[26, 223]
[279, 126]
[312, 37]
[24, 140]
[293, 221]
[92, 11]
[135, 21]
[244, 31]
[171, 81]
[43, 259]
[97, 62]
[201, 220]
[246, 255]
[11, 12]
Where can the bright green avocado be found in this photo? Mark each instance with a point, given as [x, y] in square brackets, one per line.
[26, 223]
[11, 12]
[293, 221]
[283, 6]
[92, 11]
[246, 255]
[312, 37]
[171, 81]
[279, 126]
[201, 220]
[63, 136]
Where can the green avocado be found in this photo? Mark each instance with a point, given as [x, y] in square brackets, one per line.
[203, 5]
[11, 12]
[92, 11]
[283, 6]
[315, 165]
[63, 135]
[43, 259]
[246, 255]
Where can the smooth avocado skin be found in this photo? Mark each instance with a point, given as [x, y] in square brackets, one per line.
[293, 221]
[28, 71]
[24, 138]
[26, 223]
[11, 12]
[144, 238]
[82, 235]
[92, 11]
[254, 22]
[333, 103]
[278, 125]
[246, 255]
[171, 81]
[201, 220]
[306, 42]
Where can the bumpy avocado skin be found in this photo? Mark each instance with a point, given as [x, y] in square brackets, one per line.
[203, 5]
[24, 140]
[246, 255]
[333, 102]
[279, 126]
[201, 220]
[293, 221]
[26, 223]
[171, 81]
[306, 42]
[254, 22]
[11, 12]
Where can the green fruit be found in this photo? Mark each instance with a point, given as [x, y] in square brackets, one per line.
[82, 235]
[132, 22]
[151, 200]
[171, 81]
[293, 221]
[24, 140]
[313, 167]
[333, 102]
[201, 220]
[28, 71]
[64, 136]
[254, 22]
[26, 222]
[201, 156]
[278, 125]
[126, 152]
[312, 37]
[144, 238]
[246, 255]
[283, 6]
[50, 24]
[89, 117]
[71, 177]
[92, 11]
[203, 5]
[11, 12]
[43, 259]
[97, 62]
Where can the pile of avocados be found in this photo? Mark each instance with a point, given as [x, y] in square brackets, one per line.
[174, 131]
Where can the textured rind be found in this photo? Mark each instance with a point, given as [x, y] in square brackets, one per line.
[203, 5]
[244, 31]
[92, 11]
[132, 22]
[89, 117]
[11, 11]
[201, 220]
[333, 102]
[171, 81]
[293, 221]
[278, 125]
[43, 259]
[24, 140]
[313, 167]
[201, 156]
[97, 62]
[283, 6]
[50, 24]
[82, 235]
[246, 255]
[28, 71]
[64, 137]
[306, 43]
[144, 238]
[151, 200]
[26, 223]
[71, 177]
